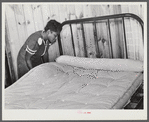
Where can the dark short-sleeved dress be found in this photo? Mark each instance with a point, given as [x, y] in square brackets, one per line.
[36, 46]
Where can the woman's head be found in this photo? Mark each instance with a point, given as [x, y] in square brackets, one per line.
[53, 25]
[52, 29]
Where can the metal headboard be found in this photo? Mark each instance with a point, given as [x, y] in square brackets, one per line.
[94, 20]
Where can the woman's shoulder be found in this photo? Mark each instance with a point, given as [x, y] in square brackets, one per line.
[35, 36]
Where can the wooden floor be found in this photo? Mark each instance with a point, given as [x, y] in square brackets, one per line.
[136, 102]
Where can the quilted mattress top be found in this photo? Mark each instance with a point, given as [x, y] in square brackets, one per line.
[59, 86]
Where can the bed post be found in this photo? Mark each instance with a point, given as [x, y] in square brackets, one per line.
[60, 45]
[96, 40]
[125, 38]
[73, 45]
[84, 43]
[110, 39]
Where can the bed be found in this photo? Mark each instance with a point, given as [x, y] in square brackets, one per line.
[73, 82]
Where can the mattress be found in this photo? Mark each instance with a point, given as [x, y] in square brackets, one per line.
[61, 86]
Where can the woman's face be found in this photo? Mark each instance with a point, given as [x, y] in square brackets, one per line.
[52, 36]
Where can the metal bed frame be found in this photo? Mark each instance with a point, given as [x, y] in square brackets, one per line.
[139, 92]
[94, 20]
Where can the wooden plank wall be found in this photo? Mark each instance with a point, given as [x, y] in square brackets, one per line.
[24, 19]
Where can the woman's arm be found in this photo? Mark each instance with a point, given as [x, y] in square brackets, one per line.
[45, 58]
[28, 61]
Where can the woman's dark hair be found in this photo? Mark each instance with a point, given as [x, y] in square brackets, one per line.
[53, 25]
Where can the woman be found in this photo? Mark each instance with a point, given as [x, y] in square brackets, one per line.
[35, 49]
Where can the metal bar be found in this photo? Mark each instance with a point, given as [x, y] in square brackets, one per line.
[84, 43]
[142, 34]
[105, 17]
[110, 39]
[96, 40]
[60, 45]
[126, 52]
[72, 40]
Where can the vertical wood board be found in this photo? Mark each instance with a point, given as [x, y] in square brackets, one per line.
[13, 34]
[37, 16]
[20, 23]
[29, 21]
[54, 49]
[66, 41]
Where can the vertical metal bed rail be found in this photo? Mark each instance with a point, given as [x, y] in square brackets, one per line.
[96, 40]
[142, 32]
[124, 32]
[60, 45]
[72, 40]
[110, 38]
[84, 43]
